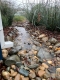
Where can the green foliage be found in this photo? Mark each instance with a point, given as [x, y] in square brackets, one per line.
[7, 14]
[19, 18]
[43, 14]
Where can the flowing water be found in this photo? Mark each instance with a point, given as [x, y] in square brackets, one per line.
[25, 42]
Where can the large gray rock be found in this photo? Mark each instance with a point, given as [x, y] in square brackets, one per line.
[43, 54]
[53, 40]
[12, 60]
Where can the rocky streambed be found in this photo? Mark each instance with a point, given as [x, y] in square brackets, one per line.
[34, 56]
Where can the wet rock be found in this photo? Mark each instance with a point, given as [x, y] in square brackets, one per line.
[38, 78]
[49, 62]
[6, 74]
[52, 69]
[8, 69]
[58, 48]
[50, 47]
[9, 38]
[32, 79]
[13, 52]
[43, 54]
[57, 52]
[41, 73]
[46, 75]
[35, 52]
[43, 79]
[45, 65]
[24, 72]
[57, 45]
[42, 35]
[53, 75]
[17, 77]
[36, 43]
[13, 66]
[13, 73]
[53, 40]
[4, 53]
[19, 64]
[42, 68]
[35, 48]
[32, 74]
[33, 66]
[22, 52]
[58, 73]
[35, 59]
[48, 43]
[24, 78]
[45, 39]
[12, 60]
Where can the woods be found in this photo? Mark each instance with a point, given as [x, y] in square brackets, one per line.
[46, 14]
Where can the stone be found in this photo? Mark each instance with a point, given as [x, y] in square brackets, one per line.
[13, 66]
[53, 40]
[45, 65]
[42, 35]
[17, 77]
[43, 79]
[24, 72]
[35, 52]
[22, 52]
[57, 52]
[48, 43]
[53, 75]
[58, 48]
[4, 53]
[33, 66]
[49, 62]
[5, 74]
[13, 73]
[32, 79]
[42, 68]
[32, 74]
[57, 45]
[41, 73]
[45, 39]
[35, 59]
[36, 43]
[24, 78]
[58, 73]
[12, 60]
[35, 47]
[46, 75]
[18, 64]
[44, 54]
[38, 78]
[50, 47]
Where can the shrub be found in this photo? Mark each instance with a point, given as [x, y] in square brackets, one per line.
[7, 14]
[43, 14]
[19, 18]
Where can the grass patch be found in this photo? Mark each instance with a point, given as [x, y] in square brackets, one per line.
[18, 18]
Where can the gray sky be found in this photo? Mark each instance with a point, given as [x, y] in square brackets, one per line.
[24, 1]
[17, 2]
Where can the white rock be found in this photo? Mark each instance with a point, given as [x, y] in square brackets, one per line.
[42, 35]
[4, 53]
[45, 39]
[58, 73]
